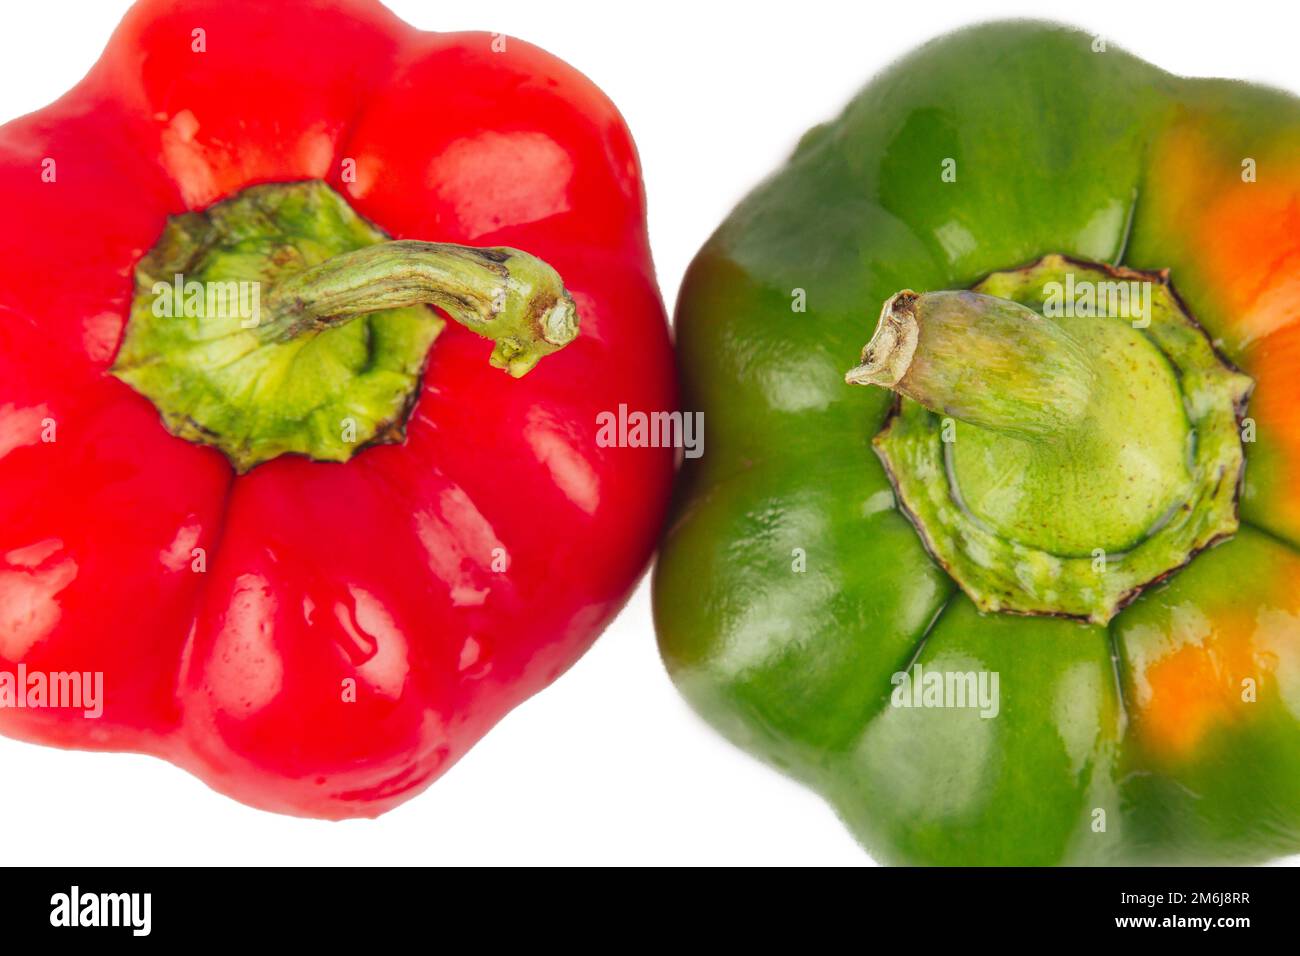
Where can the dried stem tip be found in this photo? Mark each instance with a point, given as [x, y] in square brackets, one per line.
[980, 359]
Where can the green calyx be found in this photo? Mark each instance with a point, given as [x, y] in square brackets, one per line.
[279, 321]
[1065, 434]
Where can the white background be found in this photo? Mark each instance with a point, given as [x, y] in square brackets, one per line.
[609, 765]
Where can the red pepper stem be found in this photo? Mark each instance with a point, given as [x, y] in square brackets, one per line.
[506, 295]
[243, 328]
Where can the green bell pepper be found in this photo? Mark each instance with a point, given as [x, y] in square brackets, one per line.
[1031, 595]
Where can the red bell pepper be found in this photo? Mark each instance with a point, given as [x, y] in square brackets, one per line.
[317, 637]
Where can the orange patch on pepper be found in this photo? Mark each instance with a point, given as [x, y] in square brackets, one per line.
[1199, 686]
[1275, 408]
[1245, 235]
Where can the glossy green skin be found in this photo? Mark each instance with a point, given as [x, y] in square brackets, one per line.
[795, 665]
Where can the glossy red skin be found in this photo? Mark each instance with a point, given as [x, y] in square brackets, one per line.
[378, 570]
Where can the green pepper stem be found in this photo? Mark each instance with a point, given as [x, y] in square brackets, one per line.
[508, 296]
[980, 359]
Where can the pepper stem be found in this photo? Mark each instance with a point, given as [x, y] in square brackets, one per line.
[1093, 457]
[279, 321]
[508, 296]
[983, 360]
